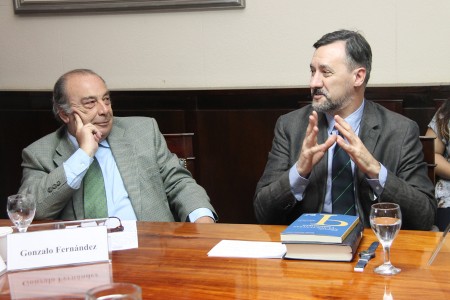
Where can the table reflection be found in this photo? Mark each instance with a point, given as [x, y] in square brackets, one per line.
[65, 282]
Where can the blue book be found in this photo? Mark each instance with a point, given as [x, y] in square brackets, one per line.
[344, 251]
[319, 228]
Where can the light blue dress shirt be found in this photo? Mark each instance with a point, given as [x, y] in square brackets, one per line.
[298, 183]
[119, 204]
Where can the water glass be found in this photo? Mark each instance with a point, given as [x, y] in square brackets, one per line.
[386, 220]
[123, 291]
[21, 209]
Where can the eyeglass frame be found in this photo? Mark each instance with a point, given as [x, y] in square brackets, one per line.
[119, 228]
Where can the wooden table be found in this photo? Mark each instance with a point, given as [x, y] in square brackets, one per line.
[172, 263]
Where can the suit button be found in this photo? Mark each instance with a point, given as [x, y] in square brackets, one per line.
[54, 186]
[49, 190]
[58, 183]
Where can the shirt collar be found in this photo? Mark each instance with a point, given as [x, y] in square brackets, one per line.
[354, 120]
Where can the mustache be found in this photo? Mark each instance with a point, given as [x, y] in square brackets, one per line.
[319, 92]
[102, 121]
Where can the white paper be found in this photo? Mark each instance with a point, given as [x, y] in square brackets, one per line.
[126, 239]
[248, 249]
[2, 266]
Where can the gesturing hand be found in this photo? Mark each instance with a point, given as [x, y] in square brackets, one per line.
[312, 152]
[356, 149]
[87, 135]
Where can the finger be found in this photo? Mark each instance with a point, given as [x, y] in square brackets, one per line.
[310, 126]
[312, 130]
[97, 134]
[343, 144]
[344, 128]
[342, 123]
[330, 141]
[78, 121]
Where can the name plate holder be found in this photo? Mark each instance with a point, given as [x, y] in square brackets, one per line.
[58, 244]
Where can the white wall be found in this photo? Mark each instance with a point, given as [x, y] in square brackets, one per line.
[267, 44]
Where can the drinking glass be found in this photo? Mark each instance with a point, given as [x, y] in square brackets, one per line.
[386, 220]
[124, 291]
[21, 209]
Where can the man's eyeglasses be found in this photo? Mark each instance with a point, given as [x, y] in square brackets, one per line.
[113, 224]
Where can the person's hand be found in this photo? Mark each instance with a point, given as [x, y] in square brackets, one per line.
[204, 220]
[87, 135]
[356, 149]
[312, 152]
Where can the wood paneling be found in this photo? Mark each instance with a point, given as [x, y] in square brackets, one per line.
[428, 153]
[233, 131]
[233, 147]
[181, 145]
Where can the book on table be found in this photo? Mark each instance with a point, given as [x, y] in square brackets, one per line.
[320, 228]
[344, 251]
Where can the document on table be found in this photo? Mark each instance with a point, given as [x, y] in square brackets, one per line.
[127, 239]
[248, 249]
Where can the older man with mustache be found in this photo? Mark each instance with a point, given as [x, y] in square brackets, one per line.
[383, 149]
[142, 179]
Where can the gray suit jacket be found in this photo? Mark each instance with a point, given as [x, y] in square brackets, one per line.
[391, 138]
[159, 188]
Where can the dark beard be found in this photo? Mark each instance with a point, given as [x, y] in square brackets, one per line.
[330, 106]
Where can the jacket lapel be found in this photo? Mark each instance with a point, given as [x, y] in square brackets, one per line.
[369, 132]
[63, 151]
[125, 156]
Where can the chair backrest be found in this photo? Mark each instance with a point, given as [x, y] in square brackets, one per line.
[391, 104]
[181, 145]
[428, 153]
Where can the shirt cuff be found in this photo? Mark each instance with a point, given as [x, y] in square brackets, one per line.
[298, 183]
[377, 185]
[200, 212]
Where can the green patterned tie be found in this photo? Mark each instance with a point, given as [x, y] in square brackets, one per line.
[94, 193]
[342, 184]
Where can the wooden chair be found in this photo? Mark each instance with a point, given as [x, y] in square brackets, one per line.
[181, 145]
[394, 105]
[428, 153]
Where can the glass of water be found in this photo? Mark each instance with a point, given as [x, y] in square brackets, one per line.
[115, 291]
[386, 220]
[21, 209]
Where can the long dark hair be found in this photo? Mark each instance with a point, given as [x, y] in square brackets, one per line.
[442, 118]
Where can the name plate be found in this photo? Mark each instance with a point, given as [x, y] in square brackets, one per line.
[58, 247]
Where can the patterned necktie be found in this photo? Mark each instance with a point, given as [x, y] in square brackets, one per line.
[95, 205]
[342, 183]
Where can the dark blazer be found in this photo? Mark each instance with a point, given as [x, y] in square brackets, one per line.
[392, 139]
[159, 188]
